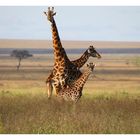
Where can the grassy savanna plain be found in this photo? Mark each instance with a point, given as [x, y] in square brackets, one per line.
[110, 103]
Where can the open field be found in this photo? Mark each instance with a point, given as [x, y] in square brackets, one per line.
[5, 43]
[110, 103]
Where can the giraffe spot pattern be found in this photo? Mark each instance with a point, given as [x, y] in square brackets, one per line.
[70, 71]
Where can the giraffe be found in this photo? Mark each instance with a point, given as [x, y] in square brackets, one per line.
[74, 92]
[64, 71]
[90, 52]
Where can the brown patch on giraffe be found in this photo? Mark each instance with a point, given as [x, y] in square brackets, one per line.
[54, 33]
[55, 38]
[61, 71]
[55, 42]
[60, 59]
[53, 29]
[63, 82]
[57, 49]
[58, 54]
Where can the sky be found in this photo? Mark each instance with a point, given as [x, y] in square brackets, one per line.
[93, 23]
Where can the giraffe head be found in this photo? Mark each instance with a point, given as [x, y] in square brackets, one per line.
[50, 13]
[91, 66]
[92, 52]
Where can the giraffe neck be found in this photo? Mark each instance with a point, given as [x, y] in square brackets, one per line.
[82, 60]
[82, 79]
[59, 51]
[55, 35]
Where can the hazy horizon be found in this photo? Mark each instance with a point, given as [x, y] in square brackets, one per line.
[82, 23]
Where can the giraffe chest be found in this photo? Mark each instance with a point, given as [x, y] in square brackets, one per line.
[59, 73]
[73, 75]
[64, 68]
[65, 75]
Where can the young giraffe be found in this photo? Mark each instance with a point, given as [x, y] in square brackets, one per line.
[90, 52]
[64, 71]
[74, 92]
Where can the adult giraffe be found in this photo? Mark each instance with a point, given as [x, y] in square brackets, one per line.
[64, 71]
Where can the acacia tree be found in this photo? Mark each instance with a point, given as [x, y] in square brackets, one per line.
[20, 54]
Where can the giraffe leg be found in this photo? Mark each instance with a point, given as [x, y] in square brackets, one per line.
[63, 83]
[56, 89]
[49, 89]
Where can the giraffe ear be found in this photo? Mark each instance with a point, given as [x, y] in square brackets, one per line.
[87, 65]
[45, 13]
[54, 14]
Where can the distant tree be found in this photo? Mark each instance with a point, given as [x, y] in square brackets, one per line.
[20, 54]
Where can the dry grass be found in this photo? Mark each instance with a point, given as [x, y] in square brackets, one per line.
[100, 115]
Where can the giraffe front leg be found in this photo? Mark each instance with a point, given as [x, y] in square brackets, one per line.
[56, 87]
[63, 83]
[49, 89]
